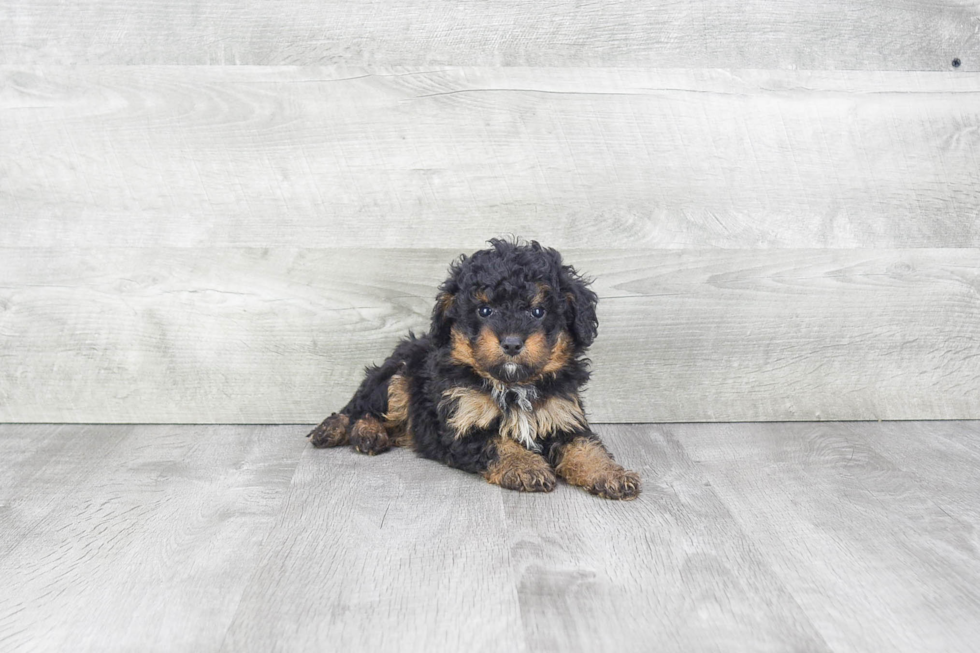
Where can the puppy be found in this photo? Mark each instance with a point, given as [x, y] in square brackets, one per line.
[493, 387]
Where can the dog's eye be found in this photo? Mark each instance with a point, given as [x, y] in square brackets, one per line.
[484, 311]
[538, 312]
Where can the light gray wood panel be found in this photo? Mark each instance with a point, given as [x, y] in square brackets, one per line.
[280, 336]
[671, 568]
[217, 336]
[386, 553]
[747, 537]
[151, 541]
[408, 157]
[962, 434]
[816, 335]
[867, 34]
[41, 467]
[873, 559]
[942, 457]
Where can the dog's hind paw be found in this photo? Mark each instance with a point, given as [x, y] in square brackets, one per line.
[332, 432]
[369, 436]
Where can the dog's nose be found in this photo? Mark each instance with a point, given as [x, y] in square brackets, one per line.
[512, 345]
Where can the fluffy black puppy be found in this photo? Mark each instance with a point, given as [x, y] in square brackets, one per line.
[493, 388]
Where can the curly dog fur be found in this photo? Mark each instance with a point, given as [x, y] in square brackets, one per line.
[493, 387]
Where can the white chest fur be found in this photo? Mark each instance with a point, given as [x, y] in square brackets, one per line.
[521, 414]
[517, 408]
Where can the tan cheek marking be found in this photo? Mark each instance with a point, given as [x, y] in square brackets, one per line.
[561, 354]
[473, 410]
[536, 351]
[488, 350]
[462, 350]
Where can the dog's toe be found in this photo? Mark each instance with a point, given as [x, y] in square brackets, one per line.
[617, 484]
[529, 480]
[332, 432]
[369, 436]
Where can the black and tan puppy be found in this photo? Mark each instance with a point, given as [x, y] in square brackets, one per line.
[493, 388]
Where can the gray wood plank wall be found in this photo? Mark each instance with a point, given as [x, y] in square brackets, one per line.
[824, 34]
[780, 203]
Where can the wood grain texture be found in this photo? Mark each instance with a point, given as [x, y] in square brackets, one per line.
[40, 468]
[672, 567]
[867, 550]
[751, 537]
[135, 538]
[826, 34]
[386, 553]
[818, 335]
[418, 157]
[281, 336]
[941, 457]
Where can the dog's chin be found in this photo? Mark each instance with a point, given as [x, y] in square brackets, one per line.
[510, 372]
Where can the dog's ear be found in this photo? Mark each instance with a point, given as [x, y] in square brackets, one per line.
[580, 304]
[441, 318]
[444, 311]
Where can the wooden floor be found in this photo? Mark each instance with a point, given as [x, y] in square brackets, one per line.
[776, 536]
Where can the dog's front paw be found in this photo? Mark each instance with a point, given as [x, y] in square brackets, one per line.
[586, 463]
[616, 484]
[516, 468]
[332, 432]
[369, 436]
[528, 480]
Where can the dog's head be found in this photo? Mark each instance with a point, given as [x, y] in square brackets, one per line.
[514, 312]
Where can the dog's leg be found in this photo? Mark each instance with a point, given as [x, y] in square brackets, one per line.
[584, 462]
[368, 436]
[360, 422]
[332, 432]
[398, 422]
[515, 468]
[364, 422]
